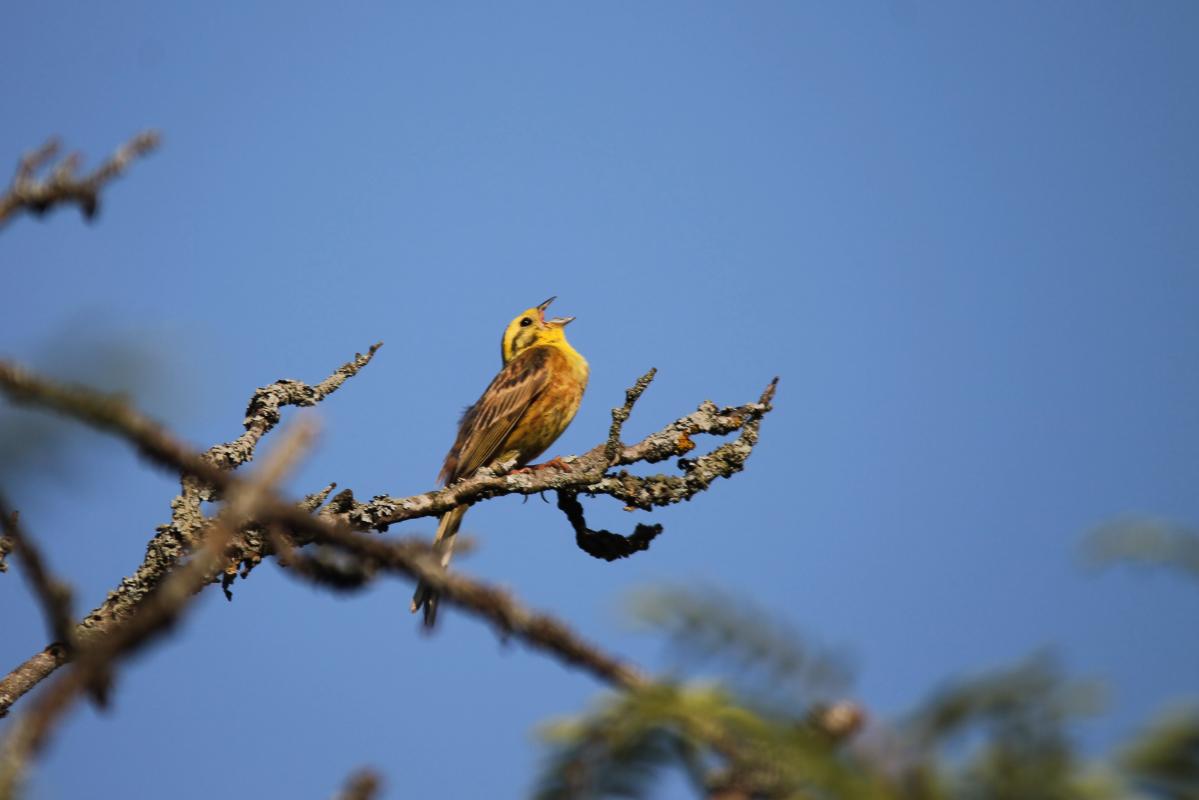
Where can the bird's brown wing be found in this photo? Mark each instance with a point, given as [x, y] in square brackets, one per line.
[487, 423]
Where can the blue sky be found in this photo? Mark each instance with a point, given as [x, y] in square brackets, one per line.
[964, 235]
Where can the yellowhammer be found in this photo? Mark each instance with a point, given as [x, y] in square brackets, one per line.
[527, 406]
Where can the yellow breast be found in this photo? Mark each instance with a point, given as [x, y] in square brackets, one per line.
[554, 408]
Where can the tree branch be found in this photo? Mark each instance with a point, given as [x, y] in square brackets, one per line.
[621, 415]
[37, 196]
[256, 522]
[254, 502]
[588, 473]
[416, 559]
[338, 522]
[603, 543]
[155, 615]
[53, 594]
[174, 540]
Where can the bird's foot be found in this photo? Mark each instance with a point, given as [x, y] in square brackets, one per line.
[556, 463]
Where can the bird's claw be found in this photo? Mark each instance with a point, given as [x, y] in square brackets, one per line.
[556, 463]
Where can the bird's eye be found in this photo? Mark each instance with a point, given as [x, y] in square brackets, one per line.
[526, 322]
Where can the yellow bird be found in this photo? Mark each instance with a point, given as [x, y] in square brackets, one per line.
[527, 406]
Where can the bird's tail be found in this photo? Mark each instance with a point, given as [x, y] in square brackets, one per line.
[447, 531]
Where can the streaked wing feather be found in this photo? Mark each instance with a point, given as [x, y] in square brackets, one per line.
[488, 422]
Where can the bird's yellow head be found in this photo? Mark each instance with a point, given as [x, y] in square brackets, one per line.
[531, 328]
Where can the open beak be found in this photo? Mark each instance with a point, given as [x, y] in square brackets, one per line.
[560, 321]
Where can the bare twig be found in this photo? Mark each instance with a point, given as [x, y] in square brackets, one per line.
[604, 543]
[158, 613]
[29, 673]
[29, 734]
[322, 567]
[110, 413]
[621, 415]
[53, 594]
[162, 607]
[175, 540]
[28, 193]
[543, 632]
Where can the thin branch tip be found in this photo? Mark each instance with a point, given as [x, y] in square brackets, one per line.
[61, 185]
[621, 414]
[768, 393]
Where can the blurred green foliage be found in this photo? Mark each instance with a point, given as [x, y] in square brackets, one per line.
[770, 727]
[757, 654]
[1164, 760]
[1147, 541]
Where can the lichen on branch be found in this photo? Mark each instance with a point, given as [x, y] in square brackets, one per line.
[340, 522]
[61, 185]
